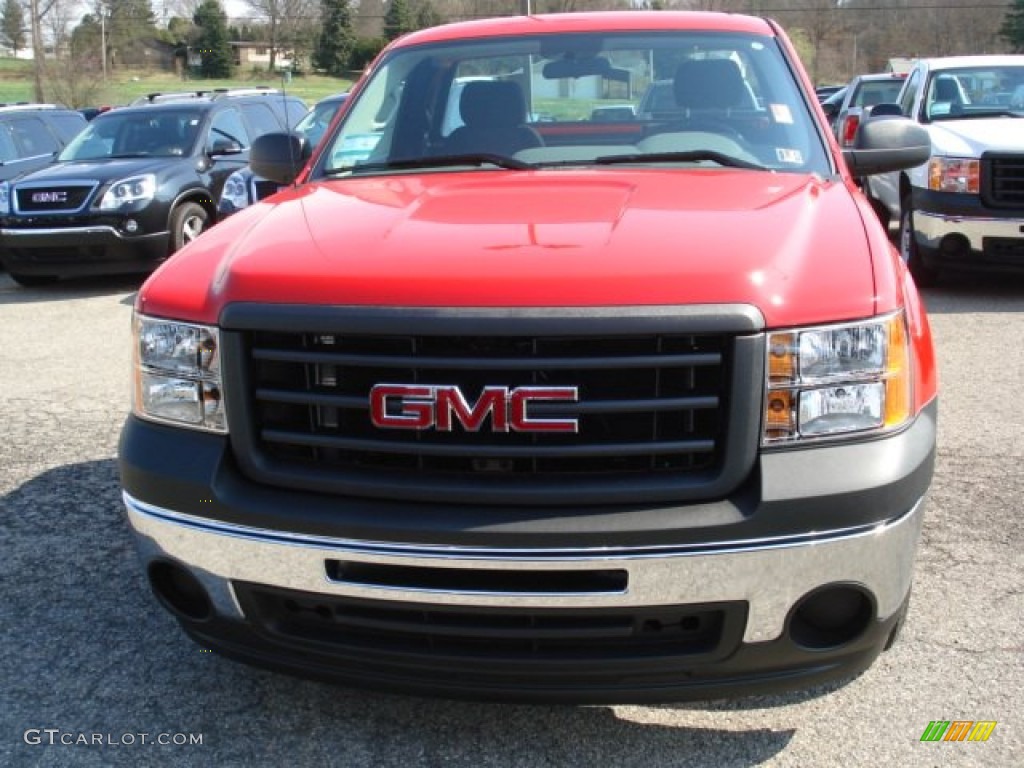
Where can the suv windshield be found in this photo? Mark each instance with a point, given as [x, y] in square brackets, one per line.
[726, 100]
[141, 133]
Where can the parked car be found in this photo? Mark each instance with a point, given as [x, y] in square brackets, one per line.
[863, 91]
[824, 91]
[134, 186]
[32, 134]
[830, 106]
[964, 208]
[563, 411]
[243, 187]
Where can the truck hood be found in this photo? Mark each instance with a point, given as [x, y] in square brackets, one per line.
[792, 245]
[969, 138]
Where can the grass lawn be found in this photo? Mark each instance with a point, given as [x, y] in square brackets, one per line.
[123, 86]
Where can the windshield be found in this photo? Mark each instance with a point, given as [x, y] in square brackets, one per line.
[696, 98]
[971, 92]
[146, 133]
[314, 123]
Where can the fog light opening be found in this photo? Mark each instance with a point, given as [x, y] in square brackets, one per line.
[179, 591]
[954, 245]
[830, 617]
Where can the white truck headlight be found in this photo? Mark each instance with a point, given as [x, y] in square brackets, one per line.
[5, 198]
[954, 174]
[136, 189]
[177, 374]
[837, 380]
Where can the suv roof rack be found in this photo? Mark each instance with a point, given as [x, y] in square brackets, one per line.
[211, 93]
[15, 105]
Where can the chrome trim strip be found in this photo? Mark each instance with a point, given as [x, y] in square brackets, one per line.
[36, 231]
[769, 576]
[482, 553]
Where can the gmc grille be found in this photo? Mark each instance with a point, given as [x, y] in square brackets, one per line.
[62, 198]
[657, 410]
[1003, 180]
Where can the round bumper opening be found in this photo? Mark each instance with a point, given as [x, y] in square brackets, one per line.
[831, 616]
[179, 591]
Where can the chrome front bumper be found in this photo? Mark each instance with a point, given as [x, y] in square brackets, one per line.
[930, 228]
[770, 575]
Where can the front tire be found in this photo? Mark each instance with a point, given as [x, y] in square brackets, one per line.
[923, 274]
[188, 221]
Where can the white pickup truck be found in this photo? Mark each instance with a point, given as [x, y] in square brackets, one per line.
[964, 208]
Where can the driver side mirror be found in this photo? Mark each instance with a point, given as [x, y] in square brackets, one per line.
[225, 147]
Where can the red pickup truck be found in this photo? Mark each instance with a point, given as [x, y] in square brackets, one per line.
[502, 399]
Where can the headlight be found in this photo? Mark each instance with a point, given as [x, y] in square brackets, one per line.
[235, 194]
[954, 174]
[137, 189]
[177, 374]
[5, 198]
[837, 380]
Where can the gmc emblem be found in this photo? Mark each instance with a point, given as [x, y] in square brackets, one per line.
[49, 197]
[440, 407]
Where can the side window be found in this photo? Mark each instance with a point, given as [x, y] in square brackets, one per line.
[8, 151]
[261, 119]
[33, 136]
[68, 126]
[295, 110]
[909, 90]
[227, 125]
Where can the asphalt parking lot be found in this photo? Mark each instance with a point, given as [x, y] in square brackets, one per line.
[94, 674]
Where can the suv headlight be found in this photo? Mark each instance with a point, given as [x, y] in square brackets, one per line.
[177, 374]
[235, 194]
[5, 198]
[837, 380]
[954, 174]
[136, 189]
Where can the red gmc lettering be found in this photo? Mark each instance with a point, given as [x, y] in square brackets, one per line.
[419, 407]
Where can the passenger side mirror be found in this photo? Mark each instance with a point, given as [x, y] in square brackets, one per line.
[278, 156]
[887, 143]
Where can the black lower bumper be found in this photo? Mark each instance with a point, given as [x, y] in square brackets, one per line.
[748, 669]
[80, 251]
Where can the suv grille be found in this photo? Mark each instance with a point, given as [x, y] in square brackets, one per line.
[1003, 180]
[653, 407]
[62, 197]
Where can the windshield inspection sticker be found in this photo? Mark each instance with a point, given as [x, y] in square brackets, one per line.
[792, 156]
[781, 114]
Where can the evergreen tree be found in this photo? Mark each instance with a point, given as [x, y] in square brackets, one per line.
[12, 26]
[336, 40]
[212, 42]
[85, 38]
[427, 15]
[128, 21]
[1013, 26]
[399, 19]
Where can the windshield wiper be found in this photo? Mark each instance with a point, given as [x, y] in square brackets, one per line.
[690, 156]
[439, 161]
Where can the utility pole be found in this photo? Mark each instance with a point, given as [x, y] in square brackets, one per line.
[524, 7]
[103, 40]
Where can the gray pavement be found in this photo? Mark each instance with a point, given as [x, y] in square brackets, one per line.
[87, 656]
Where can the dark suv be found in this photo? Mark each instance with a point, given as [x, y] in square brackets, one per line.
[137, 184]
[31, 134]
